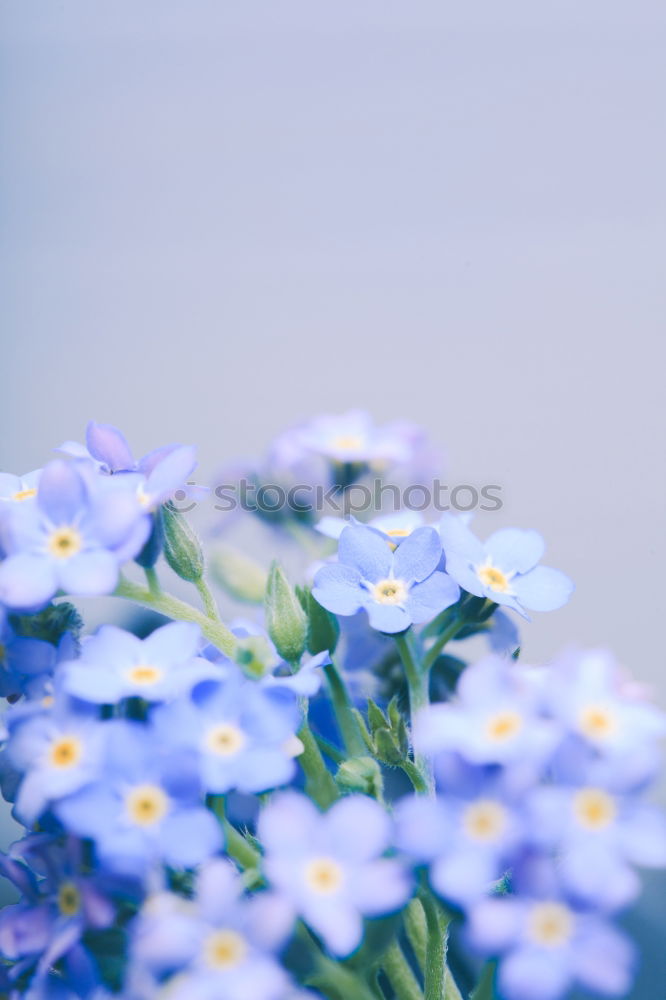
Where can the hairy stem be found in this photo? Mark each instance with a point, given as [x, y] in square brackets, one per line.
[418, 685]
[399, 973]
[173, 607]
[319, 782]
[342, 706]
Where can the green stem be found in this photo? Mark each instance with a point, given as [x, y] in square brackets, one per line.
[152, 580]
[415, 776]
[174, 608]
[331, 751]
[209, 602]
[441, 641]
[342, 707]
[418, 685]
[319, 782]
[333, 980]
[435, 950]
[235, 843]
[484, 990]
[400, 975]
[417, 930]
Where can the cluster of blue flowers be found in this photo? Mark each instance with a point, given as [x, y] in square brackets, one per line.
[319, 800]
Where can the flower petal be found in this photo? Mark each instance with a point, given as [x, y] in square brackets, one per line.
[338, 589]
[543, 589]
[515, 551]
[435, 594]
[418, 556]
[366, 551]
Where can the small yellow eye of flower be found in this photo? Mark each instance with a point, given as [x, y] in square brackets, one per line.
[144, 499]
[347, 442]
[597, 722]
[504, 726]
[48, 700]
[69, 899]
[225, 739]
[494, 579]
[550, 924]
[66, 752]
[22, 495]
[390, 592]
[144, 674]
[324, 875]
[485, 820]
[399, 532]
[146, 805]
[594, 808]
[224, 949]
[65, 543]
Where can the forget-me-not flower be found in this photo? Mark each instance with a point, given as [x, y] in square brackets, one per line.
[397, 589]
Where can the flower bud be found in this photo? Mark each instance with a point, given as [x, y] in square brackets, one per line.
[361, 774]
[285, 619]
[242, 578]
[323, 627]
[182, 549]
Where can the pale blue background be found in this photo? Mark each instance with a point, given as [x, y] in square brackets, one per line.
[220, 217]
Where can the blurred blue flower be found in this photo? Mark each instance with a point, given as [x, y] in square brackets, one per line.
[503, 569]
[469, 835]
[221, 944]
[349, 437]
[397, 589]
[146, 806]
[330, 866]
[546, 947]
[242, 732]
[495, 718]
[394, 527]
[57, 750]
[114, 664]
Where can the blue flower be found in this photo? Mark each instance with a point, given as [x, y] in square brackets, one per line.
[495, 718]
[114, 664]
[470, 835]
[546, 946]
[599, 834]
[394, 527]
[18, 489]
[397, 589]
[220, 944]
[330, 866]
[57, 750]
[47, 925]
[72, 538]
[606, 713]
[503, 569]
[242, 732]
[349, 437]
[145, 807]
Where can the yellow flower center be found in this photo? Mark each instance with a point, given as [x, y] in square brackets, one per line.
[143, 674]
[69, 899]
[493, 578]
[594, 808]
[597, 722]
[64, 543]
[504, 726]
[146, 805]
[66, 752]
[347, 442]
[485, 820]
[390, 592]
[225, 739]
[324, 875]
[224, 949]
[22, 495]
[550, 924]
